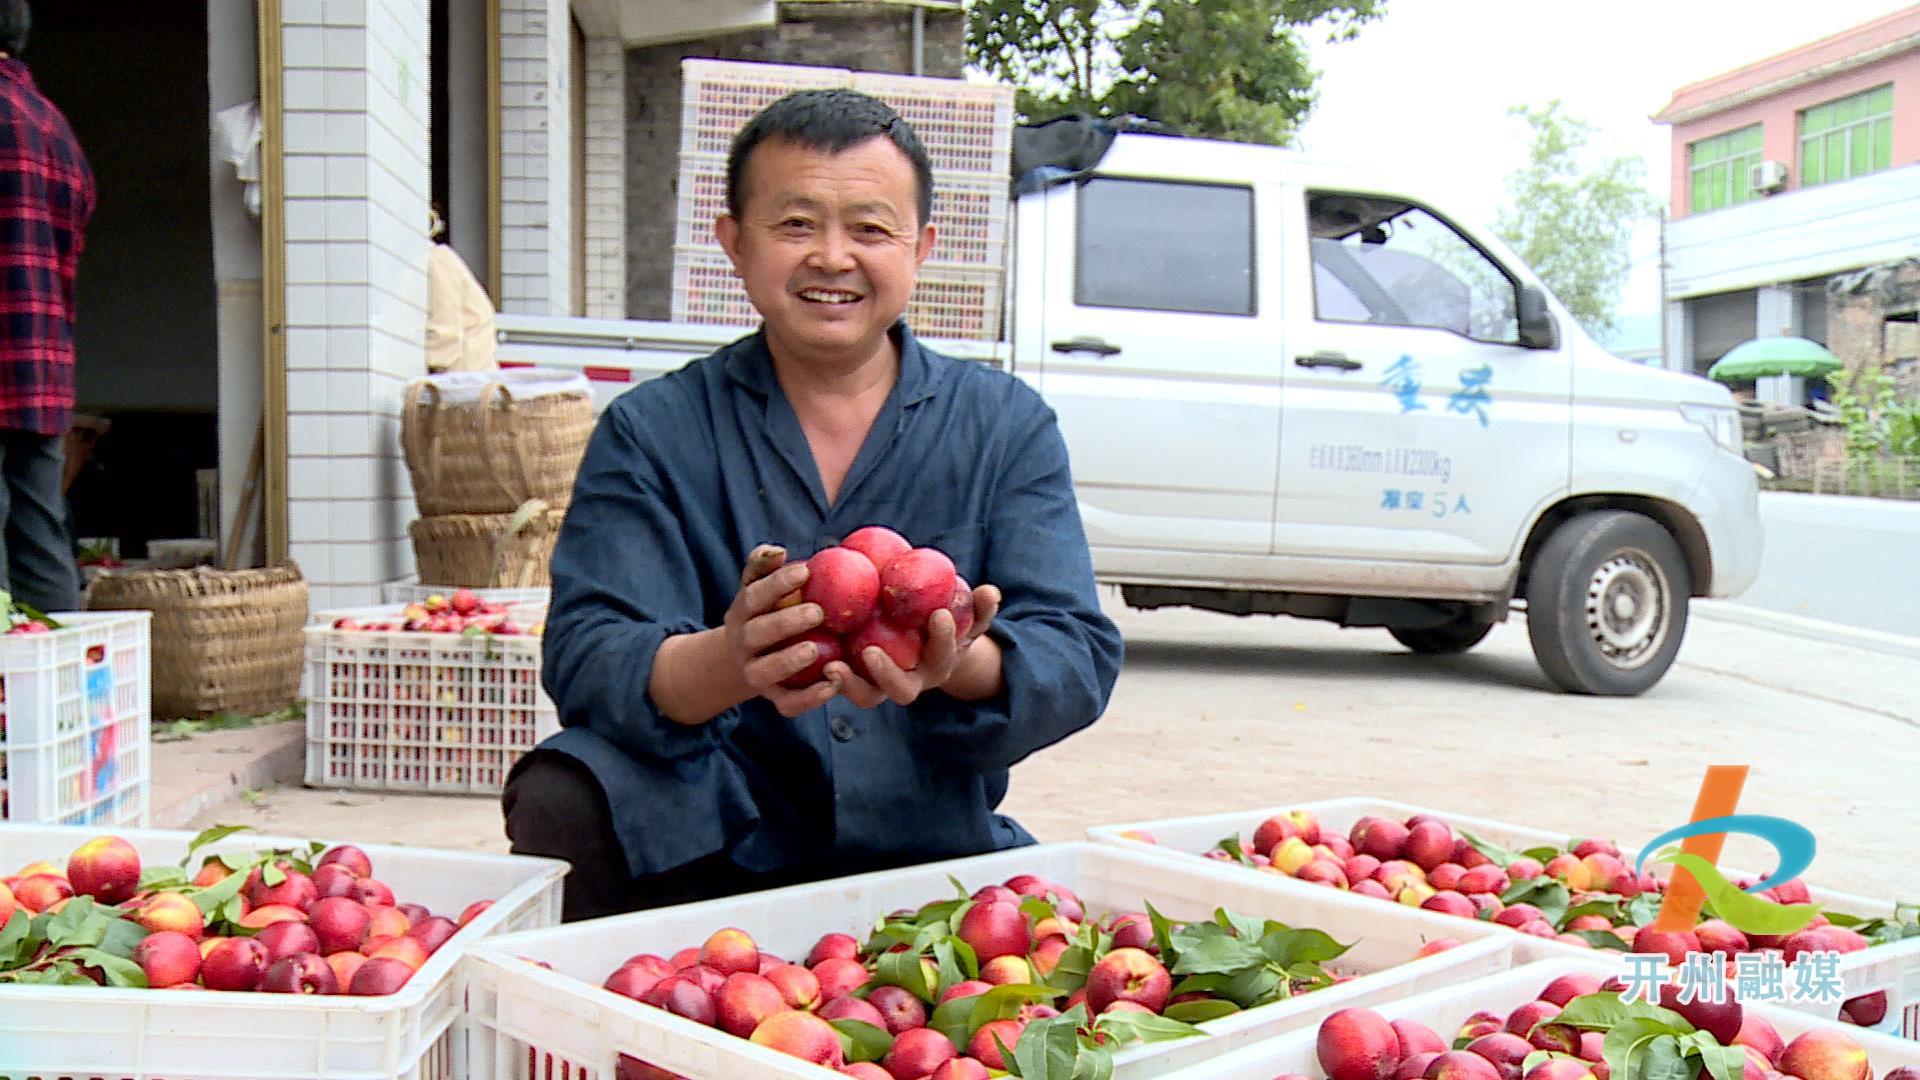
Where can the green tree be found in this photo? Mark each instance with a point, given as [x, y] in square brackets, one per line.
[1572, 220]
[1226, 69]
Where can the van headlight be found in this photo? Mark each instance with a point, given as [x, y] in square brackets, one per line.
[1720, 424]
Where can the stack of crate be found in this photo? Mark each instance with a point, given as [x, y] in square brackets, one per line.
[967, 129]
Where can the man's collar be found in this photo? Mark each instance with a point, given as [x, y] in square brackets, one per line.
[751, 365]
[13, 69]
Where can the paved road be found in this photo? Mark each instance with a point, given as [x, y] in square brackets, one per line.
[1215, 713]
[1841, 559]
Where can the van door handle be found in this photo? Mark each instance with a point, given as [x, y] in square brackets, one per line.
[1086, 344]
[1328, 359]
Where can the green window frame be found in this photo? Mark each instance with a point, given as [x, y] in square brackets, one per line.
[1720, 169]
[1848, 137]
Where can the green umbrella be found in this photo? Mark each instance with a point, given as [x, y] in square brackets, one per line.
[1775, 356]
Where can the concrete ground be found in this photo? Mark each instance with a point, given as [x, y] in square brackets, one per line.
[1214, 713]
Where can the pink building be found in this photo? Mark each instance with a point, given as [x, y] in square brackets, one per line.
[1787, 172]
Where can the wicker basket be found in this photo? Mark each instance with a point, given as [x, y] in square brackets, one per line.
[487, 551]
[487, 444]
[223, 640]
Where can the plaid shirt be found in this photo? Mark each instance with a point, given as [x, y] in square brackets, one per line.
[46, 197]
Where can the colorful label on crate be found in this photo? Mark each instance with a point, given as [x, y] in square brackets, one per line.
[103, 765]
[99, 691]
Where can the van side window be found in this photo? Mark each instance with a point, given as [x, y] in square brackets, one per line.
[1165, 246]
[1391, 263]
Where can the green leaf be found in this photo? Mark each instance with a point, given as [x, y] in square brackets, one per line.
[903, 969]
[1201, 1011]
[1036, 908]
[1501, 856]
[957, 961]
[1162, 935]
[1004, 1003]
[1093, 1063]
[1257, 986]
[162, 879]
[1606, 1012]
[1627, 1041]
[1206, 949]
[1664, 1060]
[119, 970]
[1201, 984]
[213, 898]
[79, 924]
[1597, 904]
[271, 875]
[1128, 1026]
[1048, 1047]
[861, 1041]
[1535, 1058]
[1231, 845]
[1244, 927]
[1291, 948]
[121, 936]
[1750, 913]
[959, 890]
[210, 836]
[1602, 939]
[1644, 908]
[15, 939]
[1542, 855]
[1724, 1063]
[1547, 894]
[1070, 971]
[954, 1018]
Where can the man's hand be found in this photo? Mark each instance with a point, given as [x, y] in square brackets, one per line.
[756, 629]
[970, 670]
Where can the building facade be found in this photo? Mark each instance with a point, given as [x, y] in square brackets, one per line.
[1795, 186]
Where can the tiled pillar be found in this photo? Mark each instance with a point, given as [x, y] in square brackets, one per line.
[1679, 333]
[357, 177]
[606, 154]
[536, 167]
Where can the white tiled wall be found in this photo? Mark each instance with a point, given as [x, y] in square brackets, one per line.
[357, 169]
[606, 137]
[536, 272]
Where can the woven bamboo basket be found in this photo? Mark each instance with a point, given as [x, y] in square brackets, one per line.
[487, 551]
[486, 444]
[223, 640]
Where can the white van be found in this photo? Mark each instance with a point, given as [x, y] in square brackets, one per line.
[1289, 388]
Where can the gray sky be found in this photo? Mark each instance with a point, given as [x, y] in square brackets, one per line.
[1428, 85]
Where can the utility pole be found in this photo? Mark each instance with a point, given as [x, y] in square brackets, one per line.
[1666, 360]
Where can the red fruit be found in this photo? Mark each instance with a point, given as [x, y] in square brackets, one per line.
[986, 1042]
[1486, 878]
[1676, 946]
[1412, 1067]
[1417, 1038]
[968, 988]
[1128, 975]
[1518, 915]
[839, 976]
[1758, 1034]
[1269, 834]
[333, 880]
[1561, 1069]
[878, 543]
[1503, 1049]
[433, 931]
[1522, 1020]
[827, 649]
[234, 964]
[1450, 903]
[284, 939]
[1134, 931]
[962, 607]
[897, 1005]
[373, 893]
[960, 1068]
[341, 924]
[848, 1007]
[995, 929]
[1721, 1020]
[1866, 1010]
[1567, 987]
[1445, 876]
[902, 646]
[915, 585]
[842, 946]
[464, 601]
[1429, 843]
[473, 911]
[162, 911]
[105, 868]
[845, 585]
[730, 951]
[682, 996]
[1357, 1044]
[917, 1053]
[1461, 1065]
[379, 976]
[347, 857]
[301, 973]
[1559, 1038]
[1825, 1054]
[798, 987]
[744, 1001]
[168, 957]
[1379, 837]
[1524, 869]
[867, 1070]
[632, 980]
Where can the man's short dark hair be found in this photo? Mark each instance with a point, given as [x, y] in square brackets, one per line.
[16, 18]
[829, 120]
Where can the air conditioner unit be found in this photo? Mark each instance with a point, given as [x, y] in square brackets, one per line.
[1767, 177]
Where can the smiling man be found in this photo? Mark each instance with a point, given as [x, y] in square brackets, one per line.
[684, 769]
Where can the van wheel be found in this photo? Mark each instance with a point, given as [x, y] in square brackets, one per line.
[1447, 639]
[1607, 603]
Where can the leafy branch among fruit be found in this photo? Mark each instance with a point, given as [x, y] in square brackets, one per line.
[1580, 1028]
[1583, 895]
[1012, 977]
[24, 618]
[463, 613]
[308, 920]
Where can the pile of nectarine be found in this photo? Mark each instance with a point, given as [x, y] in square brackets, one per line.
[949, 990]
[462, 613]
[1585, 895]
[1563, 1035]
[279, 922]
[876, 589]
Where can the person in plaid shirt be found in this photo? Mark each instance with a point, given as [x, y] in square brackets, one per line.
[46, 197]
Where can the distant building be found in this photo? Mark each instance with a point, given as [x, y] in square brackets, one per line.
[1788, 173]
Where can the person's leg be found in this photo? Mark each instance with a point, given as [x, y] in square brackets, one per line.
[40, 566]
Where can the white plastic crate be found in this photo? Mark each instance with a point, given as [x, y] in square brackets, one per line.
[415, 1034]
[950, 301]
[528, 1020]
[1893, 968]
[969, 212]
[1446, 1010]
[966, 127]
[412, 592]
[440, 713]
[75, 720]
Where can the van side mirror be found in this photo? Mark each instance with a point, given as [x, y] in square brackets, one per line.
[1537, 328]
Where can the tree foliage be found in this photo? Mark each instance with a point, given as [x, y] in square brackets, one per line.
[1572, 220]
[1227, 69]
